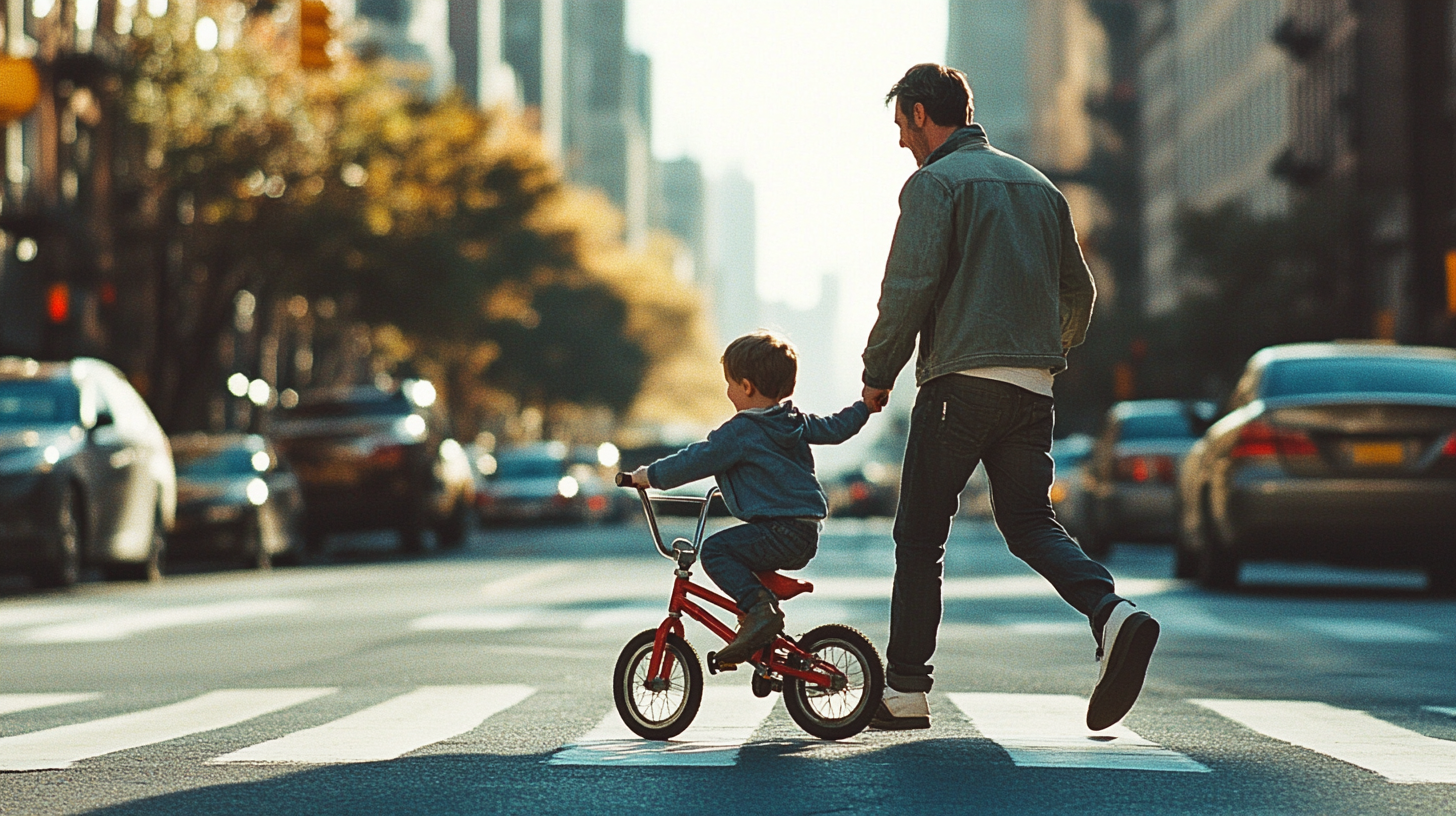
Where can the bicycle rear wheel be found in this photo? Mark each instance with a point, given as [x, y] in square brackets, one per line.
[664, 712]
[837, 713]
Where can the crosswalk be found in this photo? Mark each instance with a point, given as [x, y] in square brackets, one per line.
[1043, 731]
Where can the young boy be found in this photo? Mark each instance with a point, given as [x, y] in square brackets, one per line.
[762, 463]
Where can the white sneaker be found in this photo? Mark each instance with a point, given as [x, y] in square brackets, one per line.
[1128, 639]
[902, 711]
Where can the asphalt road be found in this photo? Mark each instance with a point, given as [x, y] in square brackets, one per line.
[480, 682]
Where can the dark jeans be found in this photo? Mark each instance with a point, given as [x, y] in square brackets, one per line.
[731, 556]
[957, 422]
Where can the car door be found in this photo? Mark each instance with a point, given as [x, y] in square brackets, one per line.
[131, 448]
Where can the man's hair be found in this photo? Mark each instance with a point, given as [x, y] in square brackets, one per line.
[943, 91]
[764, 359]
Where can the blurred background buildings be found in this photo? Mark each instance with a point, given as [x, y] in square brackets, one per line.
[1326, 118]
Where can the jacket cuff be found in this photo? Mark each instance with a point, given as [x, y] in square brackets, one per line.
[872, 382]
[652, 476]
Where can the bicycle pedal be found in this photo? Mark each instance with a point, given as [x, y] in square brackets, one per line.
[714, 666]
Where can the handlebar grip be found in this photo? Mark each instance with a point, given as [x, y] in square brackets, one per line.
[624, 480]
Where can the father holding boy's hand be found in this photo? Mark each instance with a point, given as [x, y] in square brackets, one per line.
[985, 269]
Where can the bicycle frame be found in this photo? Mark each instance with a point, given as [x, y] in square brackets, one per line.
[778, 657]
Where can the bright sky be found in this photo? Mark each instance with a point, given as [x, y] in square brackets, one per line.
[793, 93]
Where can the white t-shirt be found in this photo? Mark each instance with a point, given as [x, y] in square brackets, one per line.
[1035, 380]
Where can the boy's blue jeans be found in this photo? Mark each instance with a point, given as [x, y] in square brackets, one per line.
[731, 556]
[957, 422]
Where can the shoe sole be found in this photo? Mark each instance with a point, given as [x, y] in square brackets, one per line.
[885, 721]
[900, 724]
[1128, 666]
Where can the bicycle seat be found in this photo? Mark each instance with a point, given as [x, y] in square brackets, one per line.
[782, 586]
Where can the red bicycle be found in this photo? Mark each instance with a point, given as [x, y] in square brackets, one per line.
[831, 677]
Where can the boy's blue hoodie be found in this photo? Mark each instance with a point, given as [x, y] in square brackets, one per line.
[762, 461]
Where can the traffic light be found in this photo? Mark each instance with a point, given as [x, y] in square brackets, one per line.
[19, 88]
[314, 34]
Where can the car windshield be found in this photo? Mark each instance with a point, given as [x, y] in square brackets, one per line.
[528, 467]
[1343, 375]
[380, 405]
[1155, 426]
[203, 462]
[31, 402]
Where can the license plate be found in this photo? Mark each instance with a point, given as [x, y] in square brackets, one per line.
[1377, 453]
[327, 473]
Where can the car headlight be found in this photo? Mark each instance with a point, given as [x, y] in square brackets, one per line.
[412, 427]
[568, 487]
[37, 459]
[257, 491]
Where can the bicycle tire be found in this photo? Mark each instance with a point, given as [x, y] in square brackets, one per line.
[834, 715]
[664, 714]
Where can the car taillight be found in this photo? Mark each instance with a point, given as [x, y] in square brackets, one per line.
[1146, 468]
[858, 491]
[1262, 439]
[596, 504]
[387, 457]
[1449, 449]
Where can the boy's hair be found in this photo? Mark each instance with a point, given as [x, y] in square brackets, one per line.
[764, 359]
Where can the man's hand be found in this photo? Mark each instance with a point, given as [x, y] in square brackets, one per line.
[875, 398]
[639, 477]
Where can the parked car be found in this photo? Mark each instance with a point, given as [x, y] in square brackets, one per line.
[369, 458]
[633, 458]
[870, 490]
[1334, 452]
[1132, 473]
[542, 482]
[1069, 482]
[86, 474]
[236, 498]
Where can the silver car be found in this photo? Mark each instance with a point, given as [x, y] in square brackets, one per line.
[1335, 452]
[1130, 480]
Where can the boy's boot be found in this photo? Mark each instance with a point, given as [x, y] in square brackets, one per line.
[757, 627]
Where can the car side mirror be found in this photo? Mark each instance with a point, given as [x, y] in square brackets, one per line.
[103, 418]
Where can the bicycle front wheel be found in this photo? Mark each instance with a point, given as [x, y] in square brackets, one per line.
[837, 713]
[663, 709]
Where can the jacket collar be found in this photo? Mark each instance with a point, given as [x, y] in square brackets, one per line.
[972, 135]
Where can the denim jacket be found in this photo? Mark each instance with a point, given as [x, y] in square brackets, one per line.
[762, 461]
[984, 267]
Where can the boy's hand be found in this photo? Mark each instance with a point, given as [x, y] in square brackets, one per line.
[875, 399]
[639, 477]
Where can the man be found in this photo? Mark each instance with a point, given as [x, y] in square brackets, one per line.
[986, 270]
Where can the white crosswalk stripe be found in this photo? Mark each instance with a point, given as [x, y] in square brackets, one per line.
[389, 730]
[60, 747]
[1048, 731]
[727, 719]
[10, 703]
[1395, 753]
[117, 626]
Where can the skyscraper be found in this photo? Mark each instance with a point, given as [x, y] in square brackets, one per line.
[732, 254]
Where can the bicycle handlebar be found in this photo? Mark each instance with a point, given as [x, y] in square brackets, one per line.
[625, 480]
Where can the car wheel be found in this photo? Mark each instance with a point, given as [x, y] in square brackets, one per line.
[1185, 562]
[150, 570]
[1218, 567]
[456, 528]
[254, 545]
[63, 567]
[1441, 578]
[1093, 542]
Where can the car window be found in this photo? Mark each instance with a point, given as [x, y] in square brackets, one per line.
[214, 462]
[1339, 375]
[1155, 426]
[382, 405]
[37, 402]
[528, 467]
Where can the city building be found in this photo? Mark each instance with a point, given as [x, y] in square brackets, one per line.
[681, 212]
[733, 255]
[590, 95]
[1215, 94]
[987, 39]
